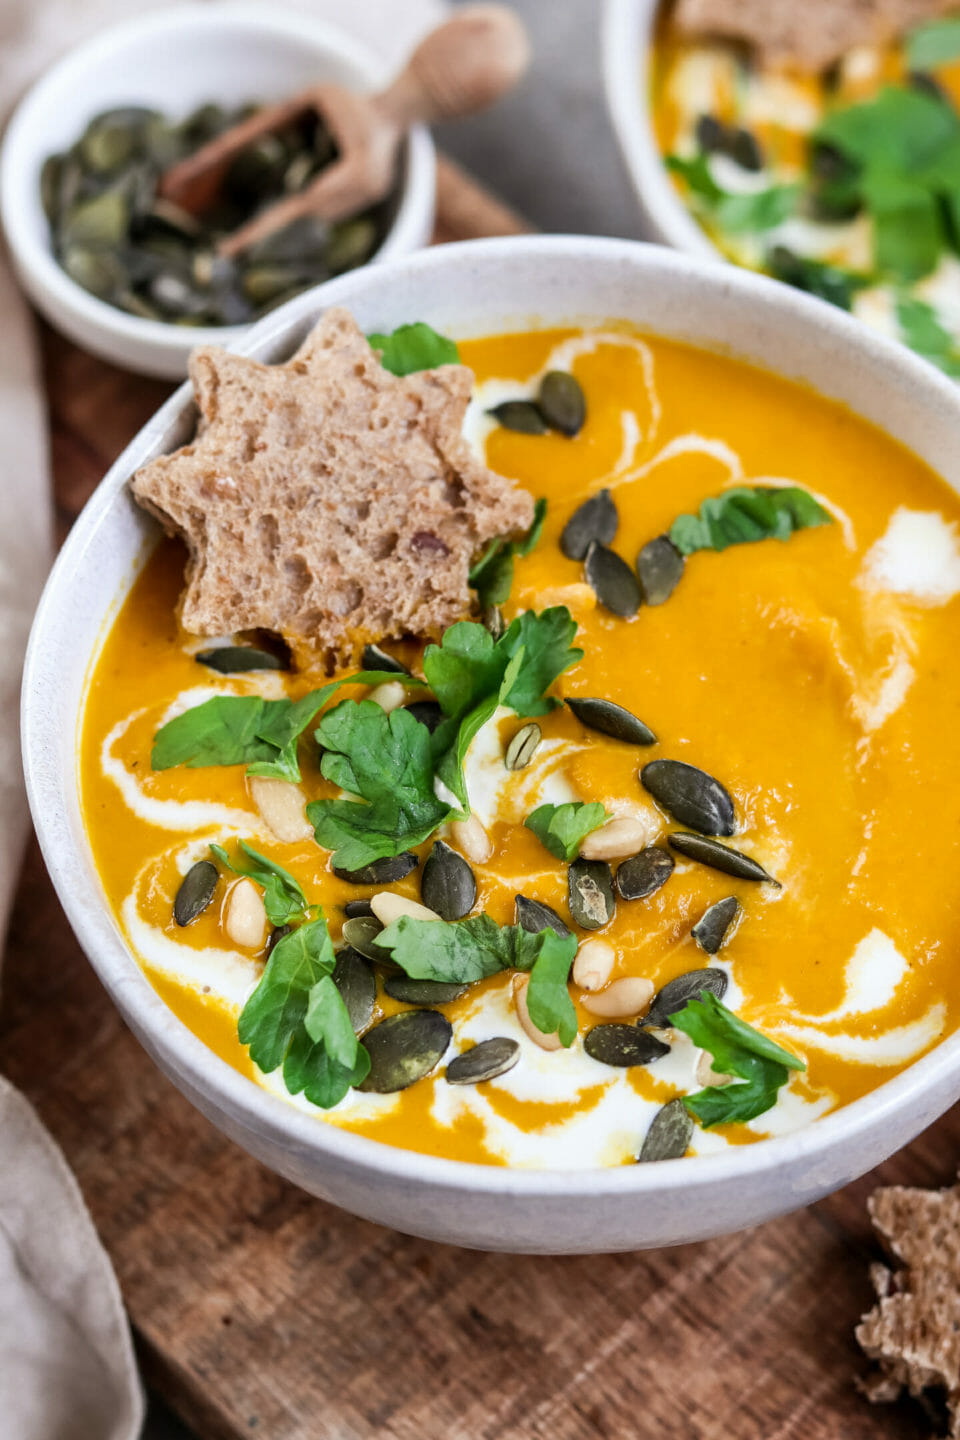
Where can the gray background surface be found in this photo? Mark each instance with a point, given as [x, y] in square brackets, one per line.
[548, 149]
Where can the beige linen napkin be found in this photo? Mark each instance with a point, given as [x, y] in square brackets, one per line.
[67, 1369]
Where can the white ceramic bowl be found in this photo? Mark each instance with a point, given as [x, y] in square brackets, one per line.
[473, 289]
[174, 60]
[627, 44]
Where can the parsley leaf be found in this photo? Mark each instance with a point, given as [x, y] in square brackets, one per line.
[548, 996]
[935, 43]
[563, 828]
[736, 214]
[467, 950]
[283, 898]
[922, 331]
[387, 761]
[736, 1048]
[744, 514]
[294, 988]
[248, 730]
[414, 347]
[547, 653]
[492, 575]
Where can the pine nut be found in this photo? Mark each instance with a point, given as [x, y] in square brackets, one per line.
[705, 1073]
[470, 837]
[546, 1042]
[624, 997]
[593, 964]
[389, 696]
[245, 920]
[622, 836]
[389, 907]
[280, 804]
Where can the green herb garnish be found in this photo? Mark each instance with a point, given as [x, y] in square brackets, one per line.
[467, 950]
[922, 331]
[745, 514]
[387, 761]
[248, 730]
[563, 828]
[296, 1019]
[935, 43]
[762, 1067]
[735, 214]
[283, 898]
[827, 282]
[414, 347]
[492, 575]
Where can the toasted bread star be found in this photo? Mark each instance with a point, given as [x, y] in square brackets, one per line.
[914, 1329]
[327, 499]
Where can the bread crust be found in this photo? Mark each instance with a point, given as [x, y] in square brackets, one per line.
[913, 1331]
[808, 36]
[326, 499]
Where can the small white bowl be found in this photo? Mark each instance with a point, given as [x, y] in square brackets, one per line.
[478, 288]
[175, 60]
[628, 33]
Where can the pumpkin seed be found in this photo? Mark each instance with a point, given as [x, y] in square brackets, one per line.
[404, 1048]
[719, 857]
[659, 570]
[380, 872]
[102, 221]
[534, 916]
[744, 150]
[596, 519]
[523, 747]
[711, 929]
[355, 908]
[98, 271]
[357, 984]
[679, 992]
[644, 874]
[590, 893]
[351, 244]
[195, 891]
[276, 935]
[483, 1062]
[623, 1045]
[428, 712]
[423, 992]
[494, 622]
[360, 931]
[562, 402]
[690, 795]
[106, 144]
[610, 719]
[669, 1133]
[447, 884]
[235, 659]
[376, 659]
[711, 134]
[523, 416]
[612, 580]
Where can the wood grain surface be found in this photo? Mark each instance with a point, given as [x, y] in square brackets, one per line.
[260, 1312]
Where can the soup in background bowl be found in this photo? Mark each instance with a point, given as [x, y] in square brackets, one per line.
[806, 673]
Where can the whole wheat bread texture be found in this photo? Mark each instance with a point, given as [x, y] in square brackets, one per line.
[913, 1331]
[806, 34]
[327, 499]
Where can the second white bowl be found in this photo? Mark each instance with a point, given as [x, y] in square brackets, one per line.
[175, 60]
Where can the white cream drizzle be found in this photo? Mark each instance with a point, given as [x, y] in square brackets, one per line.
[167, 814]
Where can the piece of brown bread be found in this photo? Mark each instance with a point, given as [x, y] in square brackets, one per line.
[810, 35]
[327, 499]
[913, 1331]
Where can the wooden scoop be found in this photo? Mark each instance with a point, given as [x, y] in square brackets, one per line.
[459, 68]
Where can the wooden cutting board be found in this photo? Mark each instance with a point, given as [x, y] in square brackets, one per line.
[262, 1312]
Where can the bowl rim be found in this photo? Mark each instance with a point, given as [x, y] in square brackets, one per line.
[254, 1107]
[626, 43]
[37, 262]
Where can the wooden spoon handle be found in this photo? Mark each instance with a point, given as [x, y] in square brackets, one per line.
[459, 68]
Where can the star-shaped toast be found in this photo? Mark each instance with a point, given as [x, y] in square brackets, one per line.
[326, 499]
[914, 1329]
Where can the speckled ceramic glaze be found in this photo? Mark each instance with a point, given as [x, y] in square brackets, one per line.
[472, 289]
